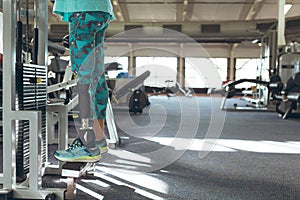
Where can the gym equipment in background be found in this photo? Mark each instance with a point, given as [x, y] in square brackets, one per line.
[287, 97]
[123, 89]
[172, 91]
[138, 101]
[258, 102]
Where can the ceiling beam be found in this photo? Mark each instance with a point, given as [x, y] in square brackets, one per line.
[179, 11]
[189, 10]
[254, 9]
[241, 32]
[184, 10]
[119, 13]
[245, 10]
[124, 11]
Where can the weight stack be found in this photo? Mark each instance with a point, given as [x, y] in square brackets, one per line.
[31, 87]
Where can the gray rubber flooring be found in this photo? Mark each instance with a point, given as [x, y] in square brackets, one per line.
[189, 149]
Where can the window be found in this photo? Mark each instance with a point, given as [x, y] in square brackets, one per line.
[221, 64]
[201, 73]
[246, 69]
[161, 69]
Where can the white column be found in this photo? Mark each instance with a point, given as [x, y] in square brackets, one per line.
[281, 23]
[180, 72]
[231, 63]
[132, 61]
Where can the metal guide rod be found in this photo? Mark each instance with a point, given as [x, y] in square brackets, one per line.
[9, 55]
[112, 130]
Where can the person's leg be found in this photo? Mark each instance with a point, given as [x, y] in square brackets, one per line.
[101, 98]
[99, 93]
[98, 127]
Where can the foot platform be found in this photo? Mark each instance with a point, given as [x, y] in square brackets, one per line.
[76, 169]
[72, 171]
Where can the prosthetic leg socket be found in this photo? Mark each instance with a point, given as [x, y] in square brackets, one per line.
[84, 100]
[86, 133]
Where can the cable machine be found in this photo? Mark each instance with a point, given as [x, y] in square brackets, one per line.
[24, 104]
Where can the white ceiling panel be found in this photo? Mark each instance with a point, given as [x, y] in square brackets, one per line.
[268, 11]
[216, 12]
[151, 13]
[294, 11]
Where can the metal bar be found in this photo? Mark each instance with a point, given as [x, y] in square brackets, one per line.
[35, 46]
[19, 42]
[34, 136]
[60, 86]
[42, 23]
[9, 59]
[112, 130]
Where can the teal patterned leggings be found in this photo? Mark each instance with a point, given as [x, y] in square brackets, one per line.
[86, 39]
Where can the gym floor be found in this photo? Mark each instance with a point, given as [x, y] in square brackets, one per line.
[187, 148]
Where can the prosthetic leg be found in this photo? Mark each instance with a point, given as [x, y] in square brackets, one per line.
[86, 132]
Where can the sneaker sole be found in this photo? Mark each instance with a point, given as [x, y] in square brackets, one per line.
[81, 159]
[103, 150]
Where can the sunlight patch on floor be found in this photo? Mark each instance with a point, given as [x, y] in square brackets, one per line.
[230, 145]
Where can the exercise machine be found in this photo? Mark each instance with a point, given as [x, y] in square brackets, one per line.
[287, 96]
[288, 65]
[24, 112]
[287, 89]
[172, 91]
[124, 90]
[258, 103]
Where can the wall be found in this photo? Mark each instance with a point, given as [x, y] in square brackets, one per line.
[212, 50]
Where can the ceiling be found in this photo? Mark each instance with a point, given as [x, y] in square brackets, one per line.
[198, 10]
[239, 16]
[234, 17]
[193, 10]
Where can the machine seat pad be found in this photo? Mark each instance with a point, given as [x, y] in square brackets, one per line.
[293, 97]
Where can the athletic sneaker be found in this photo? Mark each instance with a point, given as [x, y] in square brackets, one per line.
[77, 152]
[102, 144]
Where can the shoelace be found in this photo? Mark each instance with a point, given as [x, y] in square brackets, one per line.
[76, 143]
